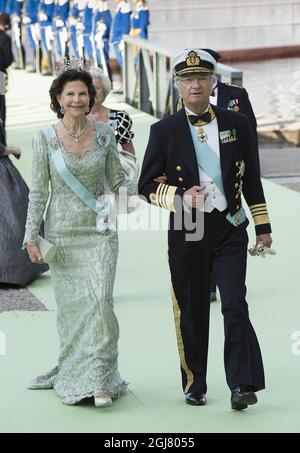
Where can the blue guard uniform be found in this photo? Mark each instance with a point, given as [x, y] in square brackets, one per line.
[76, 28]
[16, 7]
[120, 27]
[45, 17]
[30, 20]
[88, 42]
[61, 14]
[3, 6]
[101, 26]
[140, 20]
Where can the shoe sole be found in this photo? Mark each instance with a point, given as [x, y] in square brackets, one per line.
[191, 403]
[244, 402]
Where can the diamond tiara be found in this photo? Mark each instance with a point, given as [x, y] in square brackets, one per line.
[67, 65]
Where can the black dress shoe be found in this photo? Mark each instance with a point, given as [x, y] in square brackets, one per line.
[195, 399]
[242, 396]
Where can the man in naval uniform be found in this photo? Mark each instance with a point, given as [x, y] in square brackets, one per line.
[207, 153]
[235, 98]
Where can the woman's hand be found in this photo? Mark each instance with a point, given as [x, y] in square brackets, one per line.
[14, 151]
[34, 254]
[129, 148]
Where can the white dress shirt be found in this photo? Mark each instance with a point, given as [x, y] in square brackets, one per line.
[215, 197]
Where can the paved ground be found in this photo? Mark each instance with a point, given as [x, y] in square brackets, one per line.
[148, 352]
[19, 299]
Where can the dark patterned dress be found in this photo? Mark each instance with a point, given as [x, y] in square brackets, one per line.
[15, 265]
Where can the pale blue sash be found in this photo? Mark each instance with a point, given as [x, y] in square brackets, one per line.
[75, 185]
[208, 160]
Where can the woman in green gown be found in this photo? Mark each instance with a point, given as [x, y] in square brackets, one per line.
[83, 269]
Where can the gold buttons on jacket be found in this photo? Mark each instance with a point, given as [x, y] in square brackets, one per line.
[237, 206]
[237, 196]
[236, 185]
[237, 164]
[180, 179]
[178, 168]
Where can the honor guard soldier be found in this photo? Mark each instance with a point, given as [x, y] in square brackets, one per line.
[206, 152]
[77, 28]
[101, 26]
[120, 27]
[3, 6]
[16, 25]
[60, 17]
[30, 20]
[73, 44]
[140, 20]
[45, 21]
[88, 41]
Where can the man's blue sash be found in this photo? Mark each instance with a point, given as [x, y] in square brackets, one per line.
[210, 163]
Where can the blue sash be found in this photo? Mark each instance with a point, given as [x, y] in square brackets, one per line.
[75, 185]
[210, 163]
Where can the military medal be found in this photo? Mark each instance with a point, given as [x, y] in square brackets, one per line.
[202, 136]
[234, 105]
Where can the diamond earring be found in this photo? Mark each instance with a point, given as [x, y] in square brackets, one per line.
[62, 110]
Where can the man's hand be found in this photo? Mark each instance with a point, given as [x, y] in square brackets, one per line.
[195, 197]
[265, 238]
[161, 179]
[34, 254]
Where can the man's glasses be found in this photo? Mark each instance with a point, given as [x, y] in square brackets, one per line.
[202, 79]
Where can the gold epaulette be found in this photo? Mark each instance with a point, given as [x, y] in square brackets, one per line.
[232, 85]
[164, 197]
[259, 213]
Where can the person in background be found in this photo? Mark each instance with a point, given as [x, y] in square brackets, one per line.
[45, 17]
[102, 21]
[120, 27]
[140, 20]
[30, 20]
[15, 265]
[6, 59]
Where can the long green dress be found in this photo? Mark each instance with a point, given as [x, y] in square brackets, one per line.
[83, 270]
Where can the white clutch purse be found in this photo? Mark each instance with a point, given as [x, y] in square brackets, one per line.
[47, 249]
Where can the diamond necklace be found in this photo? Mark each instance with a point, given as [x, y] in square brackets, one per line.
[77, 135]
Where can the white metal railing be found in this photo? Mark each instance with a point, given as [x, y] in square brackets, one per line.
[148, 80]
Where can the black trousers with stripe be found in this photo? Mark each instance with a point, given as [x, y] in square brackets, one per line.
[223, 250]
